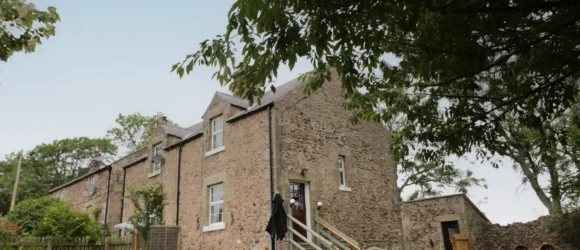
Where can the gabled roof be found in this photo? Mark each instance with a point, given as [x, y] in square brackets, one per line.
[175, 130]
[80, 178]
[269, 98]
[234, 100]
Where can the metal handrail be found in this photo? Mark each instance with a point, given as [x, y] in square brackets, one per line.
[345, 238]
[320, 238]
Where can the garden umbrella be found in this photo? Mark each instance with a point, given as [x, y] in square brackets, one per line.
[277, 224]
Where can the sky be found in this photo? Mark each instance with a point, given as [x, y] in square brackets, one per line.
[110, 57]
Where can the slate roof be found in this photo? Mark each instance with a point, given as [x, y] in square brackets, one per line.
[268, 98]
[234, 100]
[175, 130]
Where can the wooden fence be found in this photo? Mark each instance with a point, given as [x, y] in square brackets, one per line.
[45, 243]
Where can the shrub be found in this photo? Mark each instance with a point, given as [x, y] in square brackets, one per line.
[62, 221]
[30, 212]
[149, 203]
[566, 225]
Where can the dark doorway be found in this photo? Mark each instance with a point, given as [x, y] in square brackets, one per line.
[449, 228]
[298, 193]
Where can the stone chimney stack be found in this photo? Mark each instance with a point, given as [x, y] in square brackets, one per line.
[164, 119]
[97, 156]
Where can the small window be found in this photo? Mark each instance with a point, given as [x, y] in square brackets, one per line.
[217, 132]
[89, 210]
[547, 247]
[157, 158]
[521, 248]
[61, 195]
[91, 186]
[341, 171]
[216, 203]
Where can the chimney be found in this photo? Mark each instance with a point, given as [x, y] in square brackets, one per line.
[164, 119]
[97, 156]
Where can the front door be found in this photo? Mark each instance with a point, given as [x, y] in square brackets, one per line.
[449, 229]
[298, 193]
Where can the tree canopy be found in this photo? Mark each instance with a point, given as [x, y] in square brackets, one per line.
[468, 69]
[133, 131]
[22, 26]
[49, 165]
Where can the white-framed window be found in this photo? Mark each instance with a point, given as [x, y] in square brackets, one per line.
[216, 204]
[61, 195]
[217, 132]
[91, 187]
[341, 170]
[342, 173]
[157, 155]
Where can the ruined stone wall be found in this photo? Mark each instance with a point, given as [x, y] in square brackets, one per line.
[532, 235]
[311, 133]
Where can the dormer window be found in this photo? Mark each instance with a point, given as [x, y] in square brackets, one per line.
[217, 132]
[157, 155]
[157, 160]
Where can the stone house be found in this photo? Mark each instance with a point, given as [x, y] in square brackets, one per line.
[220, 174]
[92, 192]
[428, 224]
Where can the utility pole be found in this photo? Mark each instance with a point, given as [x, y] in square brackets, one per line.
[16, 182]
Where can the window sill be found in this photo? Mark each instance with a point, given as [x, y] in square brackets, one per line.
[344, 188]
[215, 227]
[156, 173]
[215, 151]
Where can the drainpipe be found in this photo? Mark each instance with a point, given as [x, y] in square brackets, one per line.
[122, 198]
[271, 168]
[109, 168]
[178, 183]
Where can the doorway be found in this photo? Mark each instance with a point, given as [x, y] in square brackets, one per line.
[300, 211]
[449, 228]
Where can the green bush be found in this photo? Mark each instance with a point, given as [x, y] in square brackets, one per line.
[63, 222]
[30, 212]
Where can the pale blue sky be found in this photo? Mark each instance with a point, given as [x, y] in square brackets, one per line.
[110, 57]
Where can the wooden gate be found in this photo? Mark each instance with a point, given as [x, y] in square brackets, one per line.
[461, 242]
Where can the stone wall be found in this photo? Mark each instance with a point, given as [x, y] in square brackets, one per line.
[422, 221]
[422, 227]
[311, 133]
[141, 174]
[81, 199]
[532, 235]
[242, 168]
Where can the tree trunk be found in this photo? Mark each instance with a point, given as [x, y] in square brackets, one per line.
[533, 179]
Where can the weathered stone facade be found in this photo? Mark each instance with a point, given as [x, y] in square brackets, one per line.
[307, 137]
[82, 199]
[311, 133]
[422, 227]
